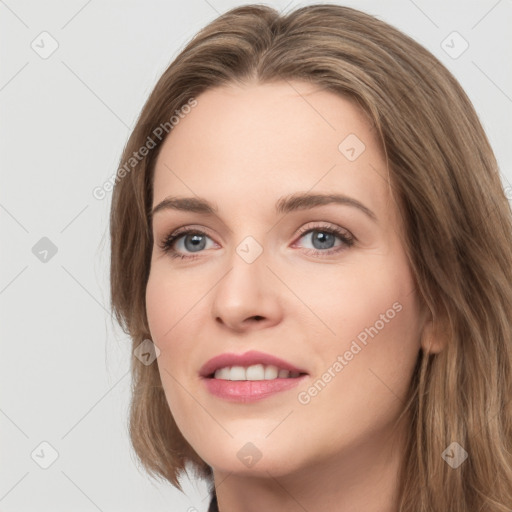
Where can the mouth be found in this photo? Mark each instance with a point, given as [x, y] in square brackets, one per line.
[251, 365]
[250, 376]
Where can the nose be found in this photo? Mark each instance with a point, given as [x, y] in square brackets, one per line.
[246, 298]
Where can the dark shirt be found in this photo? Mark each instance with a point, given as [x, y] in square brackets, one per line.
[213, 504]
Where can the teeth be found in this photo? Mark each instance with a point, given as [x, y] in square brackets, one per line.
[271, 372]
[237, 373]
[223, 373]
[254, 372]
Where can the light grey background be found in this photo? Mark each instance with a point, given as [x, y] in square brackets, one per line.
[64, 121]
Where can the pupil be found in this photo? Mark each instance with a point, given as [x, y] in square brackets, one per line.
[325, 239]
[197, 242]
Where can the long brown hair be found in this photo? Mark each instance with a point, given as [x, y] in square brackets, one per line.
[458, 236]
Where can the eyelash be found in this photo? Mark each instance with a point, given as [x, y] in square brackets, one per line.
[348, 240]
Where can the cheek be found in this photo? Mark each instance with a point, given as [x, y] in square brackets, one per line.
[176, 316]
[169, 312]
[362, 382]
[368, 315]
[170, 300]
[158, 300]
[157, 309]
[344, 301]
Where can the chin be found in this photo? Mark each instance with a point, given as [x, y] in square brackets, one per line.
[255, 458]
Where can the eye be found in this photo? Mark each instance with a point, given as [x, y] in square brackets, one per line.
[323, 239]
[183, 241]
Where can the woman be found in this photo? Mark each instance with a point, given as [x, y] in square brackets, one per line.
[312, 231]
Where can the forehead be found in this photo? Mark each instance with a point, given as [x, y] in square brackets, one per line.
[267, 140]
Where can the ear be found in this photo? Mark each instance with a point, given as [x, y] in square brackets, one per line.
[434, 335]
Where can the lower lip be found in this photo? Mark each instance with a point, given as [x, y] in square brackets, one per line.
[249, 390]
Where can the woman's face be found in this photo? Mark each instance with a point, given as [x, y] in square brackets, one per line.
[322, 285]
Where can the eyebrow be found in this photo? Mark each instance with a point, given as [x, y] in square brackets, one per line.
[287, 204]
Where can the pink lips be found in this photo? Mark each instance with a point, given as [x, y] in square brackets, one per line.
[246, 390]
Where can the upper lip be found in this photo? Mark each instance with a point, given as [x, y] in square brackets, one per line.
[246, 359]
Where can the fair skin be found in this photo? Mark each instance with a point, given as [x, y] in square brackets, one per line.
[241, 149]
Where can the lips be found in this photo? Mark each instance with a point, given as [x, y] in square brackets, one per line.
[247, 359]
